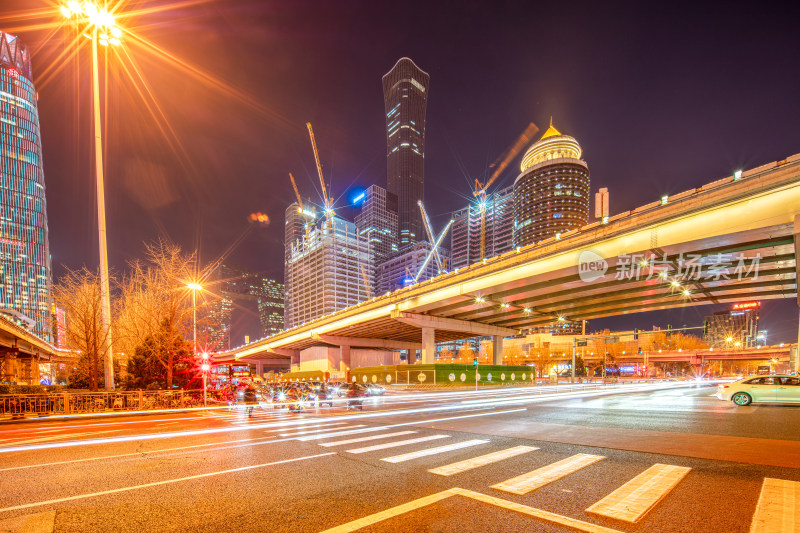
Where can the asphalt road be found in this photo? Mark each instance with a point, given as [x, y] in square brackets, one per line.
[518, 460]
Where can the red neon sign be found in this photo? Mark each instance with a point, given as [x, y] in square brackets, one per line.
[747, 305]
[12, 72]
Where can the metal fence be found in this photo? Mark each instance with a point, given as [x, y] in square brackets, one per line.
[19, 405]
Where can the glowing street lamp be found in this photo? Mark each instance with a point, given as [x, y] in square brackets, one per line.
[102, 29]
[205, 366]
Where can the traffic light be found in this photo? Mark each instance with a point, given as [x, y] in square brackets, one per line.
[205, 365]
[669, 330]
[636, 334]
[475, 362]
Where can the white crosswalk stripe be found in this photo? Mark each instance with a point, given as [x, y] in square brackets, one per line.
[778, 507]
[547, 474]
[433, 451]
[635, 498]
[482, 460]
[339, 433]
[363, 439]
[397, 443]
[308, 432]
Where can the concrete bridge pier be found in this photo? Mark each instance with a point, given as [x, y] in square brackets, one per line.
[428, 346]
[497, 349]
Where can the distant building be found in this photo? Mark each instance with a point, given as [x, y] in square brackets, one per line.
[399, 271]
[465, 236]
[377, 223]
[551, 195]
[601, 204]
[734, 328]
[567, 327]
[233, 285]
[324, 272]
[405, 98]
[25, 272]
[271, 306]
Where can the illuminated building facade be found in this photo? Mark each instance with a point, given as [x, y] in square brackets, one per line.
[324, 274]
[551, 195]
[399, 271]
[25, 274]
[294, 229]
[405, 98]
[377, 223]
[734, 328]
[465, 236]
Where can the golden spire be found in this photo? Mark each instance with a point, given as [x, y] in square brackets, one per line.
[551, 131]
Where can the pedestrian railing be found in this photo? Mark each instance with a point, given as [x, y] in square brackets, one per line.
[20, 405]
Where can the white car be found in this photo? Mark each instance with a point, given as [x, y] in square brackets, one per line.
[782, 388]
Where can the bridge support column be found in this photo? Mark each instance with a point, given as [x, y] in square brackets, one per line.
[428, 346]
[497, 349]
[797, 277]
[295, 361]
[344, 360]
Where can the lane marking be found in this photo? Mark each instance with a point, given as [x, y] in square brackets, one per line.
[323, 425]
[362, 439]
[638, 496]
[58, 437]
[778, 507]
[434, 451]
[296, 433]
[130, 454]
[157, 483]
[397, 443]
[483, 498]
[481, 460]
[540, 477]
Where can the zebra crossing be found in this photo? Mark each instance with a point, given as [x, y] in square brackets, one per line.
[777, 508]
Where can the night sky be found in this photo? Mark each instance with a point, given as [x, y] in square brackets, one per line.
[662, 97]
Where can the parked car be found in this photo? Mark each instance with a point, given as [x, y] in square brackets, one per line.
[780, 389]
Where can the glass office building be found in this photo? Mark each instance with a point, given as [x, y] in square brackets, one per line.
[405, 100]
[25, 274]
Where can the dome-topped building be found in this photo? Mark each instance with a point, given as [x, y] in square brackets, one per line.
[551, 195]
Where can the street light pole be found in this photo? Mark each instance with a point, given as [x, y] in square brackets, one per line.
[99, 19]
[105, 291]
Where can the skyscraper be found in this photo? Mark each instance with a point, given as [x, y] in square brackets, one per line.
[465, 237]
[405, 99]
[551, 195]
[377, 223]
[324, 272]
[25, 274]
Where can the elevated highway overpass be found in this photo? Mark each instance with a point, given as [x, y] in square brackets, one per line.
[732, 239]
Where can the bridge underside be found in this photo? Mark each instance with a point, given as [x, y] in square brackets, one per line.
[541, 300]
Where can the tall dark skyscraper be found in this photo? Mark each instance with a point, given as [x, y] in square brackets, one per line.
[25, 274]
[551, 195]
[405, 99]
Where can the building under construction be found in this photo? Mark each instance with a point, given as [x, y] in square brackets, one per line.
[324, 271]
[465, 237]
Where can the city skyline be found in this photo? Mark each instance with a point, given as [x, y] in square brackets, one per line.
[682, 140]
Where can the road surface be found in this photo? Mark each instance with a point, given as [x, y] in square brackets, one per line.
[666, 458]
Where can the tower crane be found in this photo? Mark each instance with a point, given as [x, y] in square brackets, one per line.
[300, 203]
[328, 204]
[426, 221]
[500, 164]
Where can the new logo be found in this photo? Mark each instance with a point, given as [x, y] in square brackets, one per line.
[591, 266]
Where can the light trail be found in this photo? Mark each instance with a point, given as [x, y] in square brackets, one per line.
[487, 404]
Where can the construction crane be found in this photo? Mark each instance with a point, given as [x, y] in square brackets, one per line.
[426, 221]
[500, 164]
[302, 209]
[328, 204]
[434, 245]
